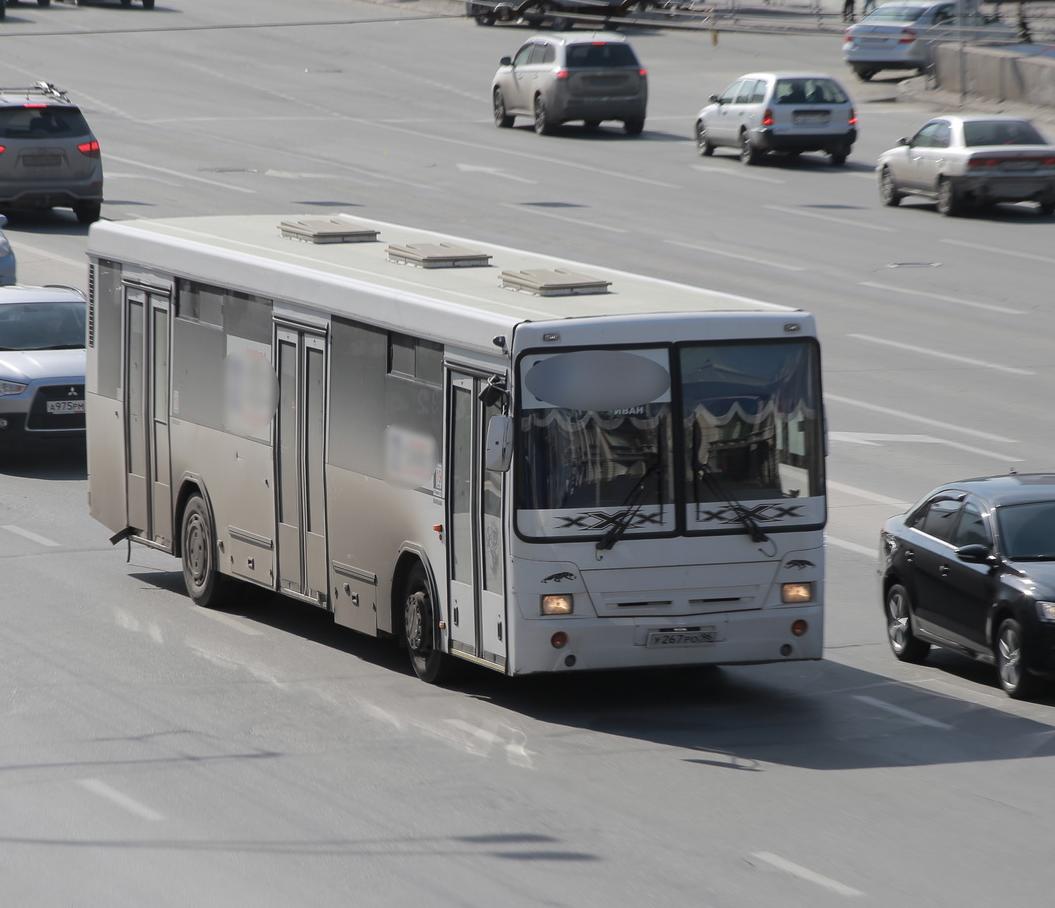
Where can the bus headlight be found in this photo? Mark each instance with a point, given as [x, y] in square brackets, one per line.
[794, 593]
[558, 604]
[11, 387]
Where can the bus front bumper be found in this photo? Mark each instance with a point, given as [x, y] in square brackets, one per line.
[716, 639]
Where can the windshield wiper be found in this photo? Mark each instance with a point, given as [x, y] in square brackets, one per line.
[699, 468]
[633, 500]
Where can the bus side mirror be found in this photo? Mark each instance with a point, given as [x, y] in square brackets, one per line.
[498, 445]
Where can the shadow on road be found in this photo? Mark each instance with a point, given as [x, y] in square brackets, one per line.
[57, 461]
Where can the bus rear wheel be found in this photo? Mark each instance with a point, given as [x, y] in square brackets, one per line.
[205, 584]
[420, 630]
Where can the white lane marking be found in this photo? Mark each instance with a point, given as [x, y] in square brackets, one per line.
[804, 873]
[754, 259]
[876, 439]
[911, 417]
[830, 218]
[1014, 253]
[36, 250]
[495, 172]
[508, 152]
[560, 217]
[938, 354]
[230, 621]
[865, 494]
[740, 174]
[182, 176]
[99, 787]
[852, 547]
[32, 537]
[110, 175]
[990, 307]
[902, 712]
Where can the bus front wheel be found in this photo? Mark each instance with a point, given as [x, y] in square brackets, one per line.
[420, 629]
[205, 584]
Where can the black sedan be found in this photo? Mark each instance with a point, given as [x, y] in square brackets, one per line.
[972, 568]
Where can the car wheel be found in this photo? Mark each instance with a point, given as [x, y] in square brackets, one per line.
[703, 144]
[948, 202]
[43, 2]
[888, 193]
[429, 662]
[1047, 209]
[749, 154]
[864, 73]
[205, 584]
[542, 123]
[837, 158]
[1015, 679]
[148, 4]
[634, 126]
[484, 18]
[904, 644]
[591, 124]
[88, 212]
[502, 119]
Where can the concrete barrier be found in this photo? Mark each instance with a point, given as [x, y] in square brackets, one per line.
[1023, 74]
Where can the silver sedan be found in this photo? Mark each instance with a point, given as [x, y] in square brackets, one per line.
[971, 160]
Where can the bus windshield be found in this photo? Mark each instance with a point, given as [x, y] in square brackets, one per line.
[596, 436]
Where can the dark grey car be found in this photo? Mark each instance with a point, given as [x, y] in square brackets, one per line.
[48, 154]
[588, 76]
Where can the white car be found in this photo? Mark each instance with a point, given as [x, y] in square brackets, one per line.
[976, 160]
[42, 361]
[899, 35]
[783, 112]
[7, 257]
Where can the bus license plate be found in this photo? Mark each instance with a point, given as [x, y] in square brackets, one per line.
[65, 407]
[701, 637]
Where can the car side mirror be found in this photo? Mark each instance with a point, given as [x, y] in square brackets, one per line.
[498, 443]
[977, 554]
[506, 61]
[714, 99]
[904, 140]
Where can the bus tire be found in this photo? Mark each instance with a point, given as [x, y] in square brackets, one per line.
[420, 628]
[205, 584]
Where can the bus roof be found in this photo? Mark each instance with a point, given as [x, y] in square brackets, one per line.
[464, 305]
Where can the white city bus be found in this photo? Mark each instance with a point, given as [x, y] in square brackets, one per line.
[528, 463]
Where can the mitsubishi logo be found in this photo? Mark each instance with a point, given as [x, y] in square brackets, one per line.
[72, 392]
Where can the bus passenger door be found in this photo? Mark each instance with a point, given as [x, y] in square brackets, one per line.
[300, 359]
[147, 322]
[476, 543]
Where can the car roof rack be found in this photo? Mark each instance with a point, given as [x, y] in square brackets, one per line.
[45, 89]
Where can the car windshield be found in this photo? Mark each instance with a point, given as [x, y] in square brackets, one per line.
[1001, 132]
[42, 326]
[895, 12]
[1027, 531]
[42, 122]
[600, 54]
[808, 91]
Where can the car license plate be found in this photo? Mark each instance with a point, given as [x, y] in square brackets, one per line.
[1019, 165]
[42, 160]
[701, 636]
[810, 118]
[65, 407]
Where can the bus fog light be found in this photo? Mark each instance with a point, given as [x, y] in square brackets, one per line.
[796, 592]
[799, 627]
[559, 640]
[558, 604]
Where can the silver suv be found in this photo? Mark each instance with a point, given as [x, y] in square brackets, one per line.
[42, 356]
[588, 76]
[48, 155]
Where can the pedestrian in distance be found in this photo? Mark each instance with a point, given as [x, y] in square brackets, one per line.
[848, 10]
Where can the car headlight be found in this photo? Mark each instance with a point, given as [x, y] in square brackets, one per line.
[8, 388]
[557, 604]
[795, 593]
[1046, 611]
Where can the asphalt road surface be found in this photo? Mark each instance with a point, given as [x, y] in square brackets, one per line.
[152, 753]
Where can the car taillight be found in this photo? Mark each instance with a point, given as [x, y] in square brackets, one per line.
[1048, 162]
[852, 121]
[642, 72]
[848, 37]
[90, 149]
[980, 163]
[562, 74]
[767, 118]
[3, 148]
[34, 106]
[908, 35]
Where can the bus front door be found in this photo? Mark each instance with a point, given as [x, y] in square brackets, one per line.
[476, 542]
[300, 360]
[146, 413]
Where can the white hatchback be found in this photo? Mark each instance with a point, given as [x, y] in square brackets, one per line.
[782, 112]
